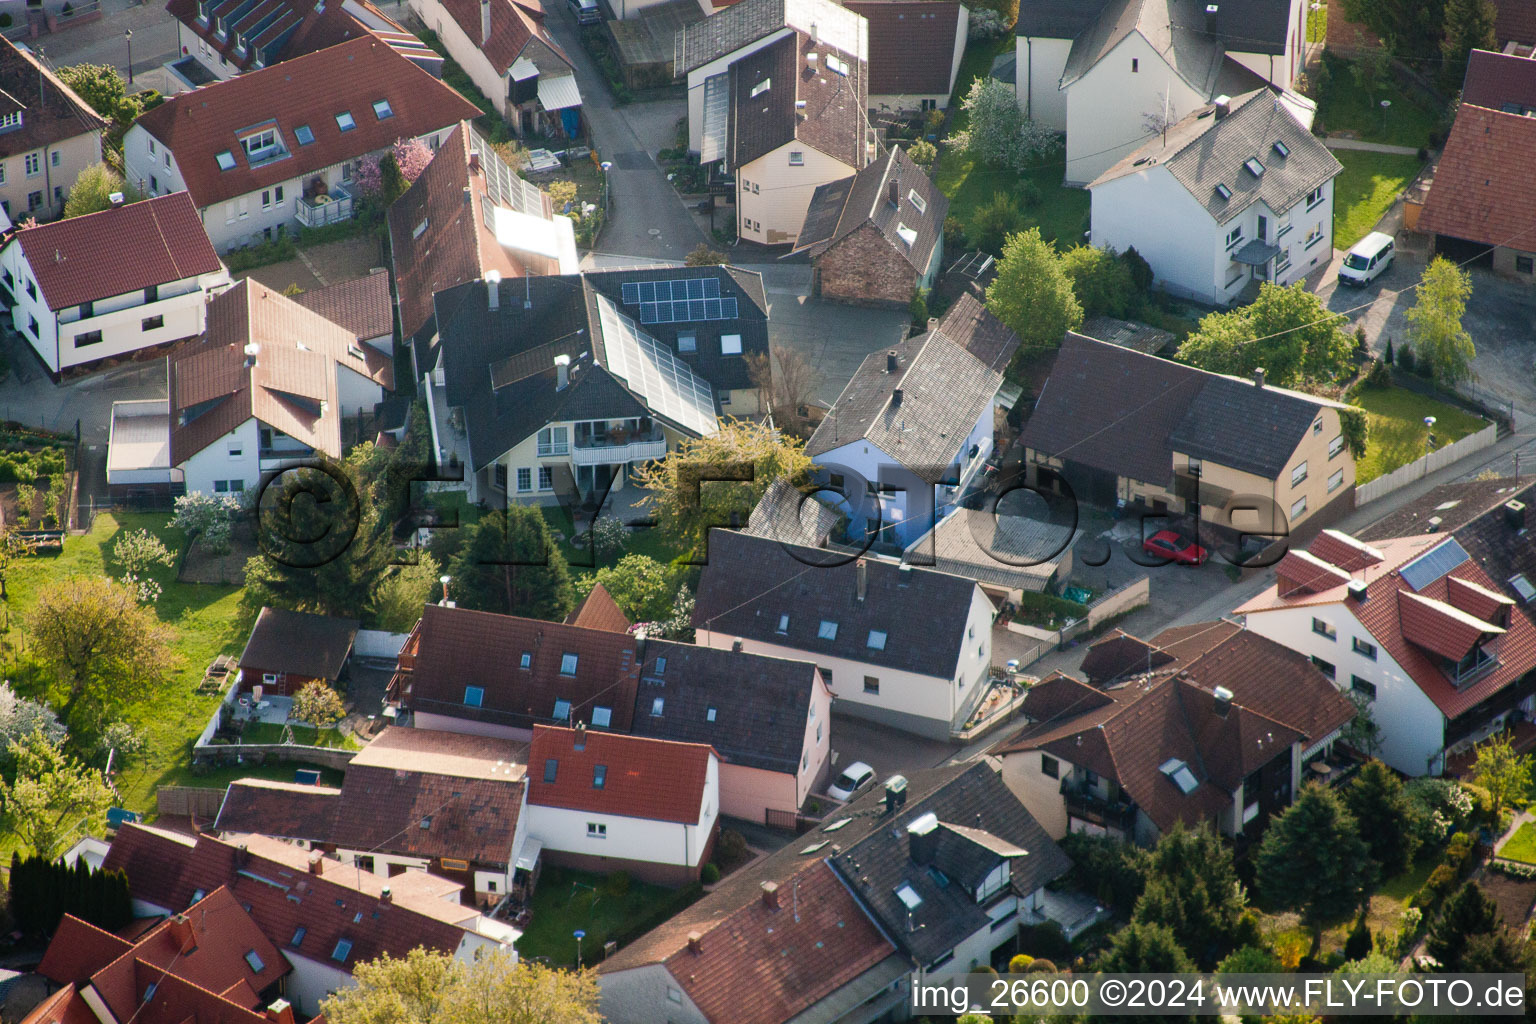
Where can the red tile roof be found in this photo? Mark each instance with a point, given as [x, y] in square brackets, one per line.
[1416, 632]
[1483, 190]
[113, 252]
[598, 610]
[452, 648]
[310, 90]
[660, 780]
[362, 305]
[53, 111]
[79, 949]
[1516, 21]
[66, 1006]
[761, 965]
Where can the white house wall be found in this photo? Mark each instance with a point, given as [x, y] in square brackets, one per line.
[355, 392]
[773, 195]
[657, 842]
[311, 981]
[1038, 792]
[718, 66]
[648, 995]
[216, 463]
[465, 52]
[1040, 64]
[1412, 727]
[1108, 105]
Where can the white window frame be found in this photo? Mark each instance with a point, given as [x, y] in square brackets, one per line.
[1299, 474]
[1298, 508]
[1336, 480]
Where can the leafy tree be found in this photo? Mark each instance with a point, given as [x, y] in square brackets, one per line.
[703, 256]
[1312, 859]
[1102, 283]
[43, 890]
[997, 131]
[324, 546]
[993, 222]
[411, 158]
[1501, 771]
[1192, 889]
[715, 480]
[124, 742]
[93, 188]
[923, 153]
[509, 563]
[1470, 912]
[21, 717]
[103, 90]
[207, 519]
[54, 798]
[140, 551]
[1249, 960]
[1469, 26]
[638, 584]
[1287, 331]
[1140, 270]
[787, 382]
[1032, 294]
[1409, 28]
[434, 988]
[1114, 871]
[1440, 343]
[102, 647]
[318, 705]
[1143, 947]
[398, 599]
[1496, 952]
[1385, 815]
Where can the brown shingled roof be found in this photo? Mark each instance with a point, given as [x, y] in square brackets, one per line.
[911, 44]
[598, 610]
[53, 111]
[363, 305]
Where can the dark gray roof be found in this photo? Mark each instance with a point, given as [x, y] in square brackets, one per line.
[1455, 505]
[750, 20]
[821, 109]
[968, 322]
[760, 704]
[499, 364]
[299, 643]
[762, 123]
[1501, 547]
[993, 547]
[986, 824]
[749, 582]
[944, 390]
[1056, 19]
[1127, 334]
[1203, 151]
[839, 208]
[786, 514]
[1174, 28]
[1118, 410]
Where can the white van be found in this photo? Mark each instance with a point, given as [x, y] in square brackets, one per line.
[587, 12]
[1370, 257]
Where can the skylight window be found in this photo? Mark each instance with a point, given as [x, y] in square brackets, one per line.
[298, 936]
[226, 160]
[1223, 191]
[709, 716]
[567, 664]
[730, 344]
[839, 823]
[876, 640]
[1523, 587]
[657, 705]
[907, 235]
[382, 110]
[1254, 167]
[1282, 149]
[814, 847]
[342, 951]
[551, 768]
[783, 624]
[526, 660]
[917, 201]
[254, 962]
[1179, 772]
[419, 229]
[344, 121]
[602, 717]
[305, 134]
[562, 711]
[827, 630]
[599, 776]
[908, 896]
[761, 87]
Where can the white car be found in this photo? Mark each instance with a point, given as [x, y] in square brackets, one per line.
[542, 160]
[1368, 260]
[854, 778]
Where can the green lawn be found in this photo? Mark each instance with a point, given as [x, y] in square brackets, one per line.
[1395, 419]
[650, 541]
[222, 776]
[1363, 192]
[207, 620]
[1345, 107]
[303, 735]
[567, 900]
[1317, 24]
[1522, 845]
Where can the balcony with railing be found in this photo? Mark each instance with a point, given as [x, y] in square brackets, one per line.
[1118, 814]
[610, 444]
[315, 211]
[1191, 488]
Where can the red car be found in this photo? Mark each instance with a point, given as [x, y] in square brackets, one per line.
[1167, 544]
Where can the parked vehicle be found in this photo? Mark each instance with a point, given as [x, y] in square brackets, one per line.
[587, 12]
[1370, 257]
[1167, 544]
[854, 778]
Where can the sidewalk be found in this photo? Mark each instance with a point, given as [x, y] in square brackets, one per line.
[1339, 142]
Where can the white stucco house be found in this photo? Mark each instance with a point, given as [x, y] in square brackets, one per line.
[854, 620]
[1109, 74]
[275, 150]
[1416, 629]
[110, 283]
[1235, 193]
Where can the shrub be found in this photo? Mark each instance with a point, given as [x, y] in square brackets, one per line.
[1440, 881]
[955, 237]
[1458, 853]
[1019, 964]
[1141, 270]
[1378, 376]
[1045, 940]
[1405, 360]
[1029, 194]
[710, 875]
[733, 847]
[1388, 357]
[992, 222]
[1042, 966]
[986, 24]
[918, 307]
[609, 536]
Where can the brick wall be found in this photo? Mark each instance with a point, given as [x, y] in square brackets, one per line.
[864, 269]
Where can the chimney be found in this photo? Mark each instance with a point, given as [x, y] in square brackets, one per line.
[895, 793]
[1358, 590]
[116, 199]
[251, 349]
[1258, 376]
[579, 740]
[1223, 700]
[386, 895]
[696, 941]
[1433, 525]
[493, 289]
[485, 21]
[891, 365]
[316, 863]
[242, 854]
[922, 837]
[1223, 103]
[1211, 11]
[183, 935]
[891, 189]
[279, 1012]
[771, 895]
[468, 192]
[738, 644]
[474, 160]
[896, 398]
[640, 647]
[1514, 514]
[860, 578]
[562, 372]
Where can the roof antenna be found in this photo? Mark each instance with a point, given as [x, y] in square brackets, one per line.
[527, 293]
[795, 896]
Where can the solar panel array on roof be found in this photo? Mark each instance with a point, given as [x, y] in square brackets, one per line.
[1433, 564]
[664, 382]
[672, 302]
[505, 188]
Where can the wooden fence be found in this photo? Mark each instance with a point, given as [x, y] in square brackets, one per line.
[189, 801]
[1424, 465]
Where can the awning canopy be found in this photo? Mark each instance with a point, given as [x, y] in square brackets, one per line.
[559, 93]
[527, 860]
[1256, 253]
